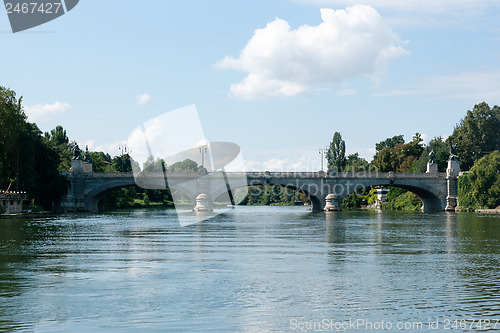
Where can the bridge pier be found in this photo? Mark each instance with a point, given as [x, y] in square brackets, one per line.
[74, 201]
[452, 173]
[332, 203]
[203, 203]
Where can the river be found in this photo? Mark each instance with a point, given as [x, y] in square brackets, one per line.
[252, 269]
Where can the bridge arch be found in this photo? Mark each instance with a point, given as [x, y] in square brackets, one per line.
[433, 199]
[316, 202]
[97, 193]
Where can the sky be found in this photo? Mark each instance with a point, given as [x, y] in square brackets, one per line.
[276, 77]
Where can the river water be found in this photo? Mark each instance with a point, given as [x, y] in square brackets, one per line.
[252, 269]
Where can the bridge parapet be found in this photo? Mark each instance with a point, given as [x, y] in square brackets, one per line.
[433, 188]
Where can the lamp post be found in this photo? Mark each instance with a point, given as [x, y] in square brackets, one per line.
[122, 149]
[322, 152]
[203, 150]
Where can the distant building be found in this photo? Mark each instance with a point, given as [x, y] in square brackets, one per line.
[14, 202]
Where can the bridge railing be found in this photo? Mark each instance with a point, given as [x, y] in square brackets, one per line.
[267, 174]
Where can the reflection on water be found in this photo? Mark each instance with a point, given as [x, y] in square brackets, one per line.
[250, 269]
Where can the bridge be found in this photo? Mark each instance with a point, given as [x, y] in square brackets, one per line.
[437, 190]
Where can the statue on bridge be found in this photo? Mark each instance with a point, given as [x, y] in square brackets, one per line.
[77, 152]
[86, 156]
[453, 152]
[432, 157]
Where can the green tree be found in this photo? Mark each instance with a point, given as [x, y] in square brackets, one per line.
[477, 134]
[58, 140]
[57, 136]
[400, 199]
[354, 163]
[122, 163]
[152, 165]
[101, 162]
[27, 159]
[383, 160]
[352, 201]
[390, 142]
[398, 156]
[484, 179]
[336, 153]
[187, 165]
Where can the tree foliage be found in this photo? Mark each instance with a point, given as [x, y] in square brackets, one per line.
[480, 188]
[394, 155]
[390, 143]
[400, 199]
[355, 163]
[187, 165]
[477, 134]
[336, 153]
[28, 160]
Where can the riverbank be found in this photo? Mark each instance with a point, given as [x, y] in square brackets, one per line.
[488, 211]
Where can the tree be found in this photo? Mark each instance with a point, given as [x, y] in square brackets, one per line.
[101, 162]
[390, 142]
[122, 163]
[383, 160]
[483, 185]
[152, 165]
[27, 159]
[477, 134]
[57, 136]
[12, 125]
[441, 152]
[395, 155]
[58, 140]
[336, 153]
[187, 165]
[354, 163]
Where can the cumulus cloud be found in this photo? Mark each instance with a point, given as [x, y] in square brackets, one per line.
[107, 147]
[476, 85]
[304, 164]
[143, 99]
[281, 61]
[42, 111]
[439, 6]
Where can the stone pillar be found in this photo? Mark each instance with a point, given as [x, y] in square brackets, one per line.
[332, 203]
[432, 167]
[203, 203]
[87, 167]
[75, 199]
[452, 173]
[76, 166]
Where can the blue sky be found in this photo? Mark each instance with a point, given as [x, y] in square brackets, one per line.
[276, 77]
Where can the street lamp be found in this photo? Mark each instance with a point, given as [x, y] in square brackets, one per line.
[203, 151]
[322, 152]
[122, 149]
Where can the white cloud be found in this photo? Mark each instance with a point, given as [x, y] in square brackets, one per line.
[432, 6]
[42, 111]
[457, 13]
[281, 61]
[304, 164]
[476, 86]
[143, 99]
[109, 147]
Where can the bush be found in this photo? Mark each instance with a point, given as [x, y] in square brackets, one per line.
[400, 199]
[352, 201]
[480, 188]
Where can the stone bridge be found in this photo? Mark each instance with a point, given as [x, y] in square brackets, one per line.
[438, 191]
